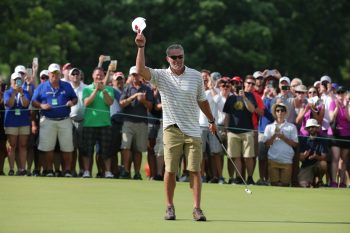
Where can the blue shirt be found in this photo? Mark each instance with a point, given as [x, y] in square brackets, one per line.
[267, 118]
[56, 98]
[17, 115]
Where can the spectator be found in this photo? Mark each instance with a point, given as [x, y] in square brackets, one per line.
[339, 111]
[54, 98]
[240, 137]
[65, 72]
[327, 97]
[313, 151]
[17, 123]
[293, 84]
[77, 116]
[97, 98]
[182, 92]
[280, 136]
[136, 100]
[259, 84]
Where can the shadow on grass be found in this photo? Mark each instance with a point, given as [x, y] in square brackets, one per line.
[280, 221]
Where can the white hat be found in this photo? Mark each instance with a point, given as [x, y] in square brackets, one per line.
[54, 67]
[311, 122]
[44, 72]
[132, 70]
[73, 69]
[317, 83]
[258, 74]
[285, 78]
[215, 76]
[301, 88]
[16, 75]
[326, 78]
[20, 68]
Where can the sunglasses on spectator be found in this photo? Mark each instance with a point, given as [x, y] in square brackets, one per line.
[75, 73]
[44, 77]
[300, 92]
[280, 110]
[176, 57]
[324, 82]
[250, 83]
[225, 85]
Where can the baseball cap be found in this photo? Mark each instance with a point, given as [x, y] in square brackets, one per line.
[258, 74]
[15, 75]
[311, 122]
[326, 78]
[44, 72]
[317, 83]
[132, 70]
[20, 68]
[117, 75]
[236, 78]
[215, 76]
[285, 78]
[54, 67]
[335, 86]
[341, 90]
[67, 66]
[72, 70]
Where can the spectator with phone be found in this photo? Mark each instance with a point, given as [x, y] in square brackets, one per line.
[17, 123]
[327, 97]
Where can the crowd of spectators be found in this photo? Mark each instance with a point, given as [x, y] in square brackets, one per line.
[56, 125]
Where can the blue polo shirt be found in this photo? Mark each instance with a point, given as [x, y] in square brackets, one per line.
[17, 115]
[56, 98]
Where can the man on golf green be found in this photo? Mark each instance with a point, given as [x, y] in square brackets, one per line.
[182, 92]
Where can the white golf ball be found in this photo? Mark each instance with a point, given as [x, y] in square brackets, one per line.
[248, 191]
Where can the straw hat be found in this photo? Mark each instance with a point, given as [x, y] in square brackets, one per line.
[279, 105]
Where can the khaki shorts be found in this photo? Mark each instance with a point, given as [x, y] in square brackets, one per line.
[279, 172]
[307, 174]
[134, 136]
[50, 130]
[240, 144]
[21, 130]
[176, 144]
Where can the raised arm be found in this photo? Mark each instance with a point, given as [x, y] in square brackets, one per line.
[141, 69]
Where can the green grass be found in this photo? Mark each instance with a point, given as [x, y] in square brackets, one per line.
[36, 204]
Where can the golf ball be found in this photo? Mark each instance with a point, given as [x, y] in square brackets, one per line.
[248, 191]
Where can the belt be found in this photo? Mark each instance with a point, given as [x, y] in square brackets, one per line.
[57, 119]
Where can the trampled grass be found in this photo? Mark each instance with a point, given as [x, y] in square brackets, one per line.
[36, 204]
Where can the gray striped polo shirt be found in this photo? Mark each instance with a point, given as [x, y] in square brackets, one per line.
[179, 96]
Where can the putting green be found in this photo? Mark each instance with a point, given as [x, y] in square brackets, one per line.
[36, 204]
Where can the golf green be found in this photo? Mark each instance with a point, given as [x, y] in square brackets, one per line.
[36, 204]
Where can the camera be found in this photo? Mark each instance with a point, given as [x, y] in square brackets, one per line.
[18, 82]
[238, 88]
[285, 88]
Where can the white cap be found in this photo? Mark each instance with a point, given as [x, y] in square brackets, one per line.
[132, 70]
[258, 74]
[326, 78]
[284, 78]
[301, 88]
[317, 83]
[54, 67]
[44, 72]
[16, 75]
[73, 69]
[20, 68]
[311, 122]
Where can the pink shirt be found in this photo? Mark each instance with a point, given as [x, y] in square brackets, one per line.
[343, 124]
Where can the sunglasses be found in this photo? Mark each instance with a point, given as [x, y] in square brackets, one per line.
[226, 85]
[75, 74]
[176, 57]
[300, 92]
[250, 83]
[280, 110]
[44, 77]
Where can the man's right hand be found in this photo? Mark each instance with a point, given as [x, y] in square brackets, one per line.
[140, 40]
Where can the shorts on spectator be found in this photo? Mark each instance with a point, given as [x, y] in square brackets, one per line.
[279, 172]
[176, 144]
[153, 130]
[159, 147]
[116, 137]
[308, 173]
[51, 130]
[98, 135]
[208, 139]
[134, 136]
[78, 135]
[20, 130]
[341, 141]
[240, 144]
[262, 148]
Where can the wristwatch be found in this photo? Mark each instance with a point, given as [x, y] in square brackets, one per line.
[212, 122]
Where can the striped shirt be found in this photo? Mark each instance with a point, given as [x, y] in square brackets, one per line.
[180, 96]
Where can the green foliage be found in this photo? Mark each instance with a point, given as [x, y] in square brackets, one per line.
[300, 38]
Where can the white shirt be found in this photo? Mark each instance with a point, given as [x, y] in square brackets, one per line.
[180, 96]
[203, 120]
[220, 103]
[326, 99]
[77, 111]
[280, 151]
